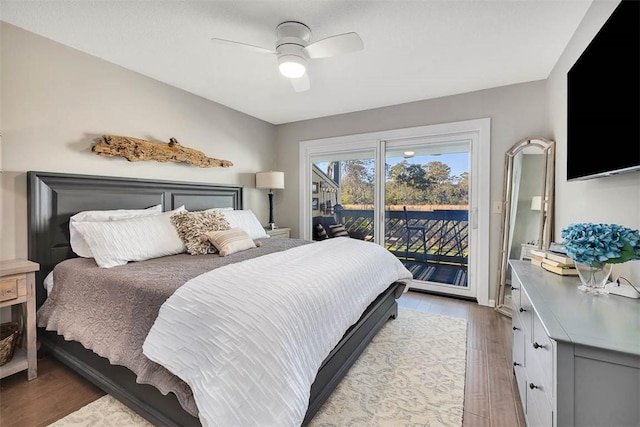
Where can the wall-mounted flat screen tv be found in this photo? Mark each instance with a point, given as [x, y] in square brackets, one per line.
[603, 120]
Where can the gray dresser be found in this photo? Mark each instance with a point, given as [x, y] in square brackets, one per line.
[576, 357]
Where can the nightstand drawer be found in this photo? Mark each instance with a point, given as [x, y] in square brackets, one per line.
[12, 287]
[279, 233]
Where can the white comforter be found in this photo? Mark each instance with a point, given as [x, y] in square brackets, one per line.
[250, 337]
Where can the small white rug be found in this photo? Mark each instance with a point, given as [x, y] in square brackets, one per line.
[412, 374]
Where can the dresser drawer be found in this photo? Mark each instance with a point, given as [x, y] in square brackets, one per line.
[542, 352]
[521, 381]
[539, 412]
[539, 394]
[515, 293]
[519, 340]
[525, 311]
[518, 358]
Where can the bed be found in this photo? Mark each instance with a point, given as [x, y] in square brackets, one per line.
[53, 198]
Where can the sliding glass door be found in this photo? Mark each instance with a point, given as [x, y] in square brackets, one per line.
[416, 191]
[427, 211]
[343, 194]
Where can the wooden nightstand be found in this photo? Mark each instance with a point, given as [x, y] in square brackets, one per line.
[17, 290]
[280, 233]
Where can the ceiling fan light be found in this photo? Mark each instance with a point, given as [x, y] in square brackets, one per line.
[292, 66]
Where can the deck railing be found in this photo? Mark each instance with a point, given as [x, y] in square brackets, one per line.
[446, 233]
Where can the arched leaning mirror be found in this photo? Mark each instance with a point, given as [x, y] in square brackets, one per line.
[527, 214]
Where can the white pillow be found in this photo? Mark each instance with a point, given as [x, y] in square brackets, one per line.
[219, 209]
[246, 220]
[129, 216]
[116, 243]
[48, 283]
[78, 244]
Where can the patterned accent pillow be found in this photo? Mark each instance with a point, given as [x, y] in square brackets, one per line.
[231, 241]
[338, 230]
[321, 233]
[192, 225]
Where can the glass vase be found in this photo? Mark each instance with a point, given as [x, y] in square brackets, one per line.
[593, 277]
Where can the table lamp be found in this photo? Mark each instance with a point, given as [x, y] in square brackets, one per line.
[271, 180]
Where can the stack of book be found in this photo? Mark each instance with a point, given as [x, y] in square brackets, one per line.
[554, 262]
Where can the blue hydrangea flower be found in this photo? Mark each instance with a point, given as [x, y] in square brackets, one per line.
[597, 244]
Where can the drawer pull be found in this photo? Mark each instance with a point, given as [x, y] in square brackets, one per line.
[536, 345]
[513, 288]
[515, 328]
[522, 310]
[516, 364]
[533, 386]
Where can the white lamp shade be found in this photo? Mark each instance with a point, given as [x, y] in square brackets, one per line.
[536, 203]
[272, 180]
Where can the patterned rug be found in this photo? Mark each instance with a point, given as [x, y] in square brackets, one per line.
[412, 373]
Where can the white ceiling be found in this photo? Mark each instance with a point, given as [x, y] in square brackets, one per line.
[414, 50]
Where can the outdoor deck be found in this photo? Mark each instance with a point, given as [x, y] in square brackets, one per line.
[441, 257]
[440, 273]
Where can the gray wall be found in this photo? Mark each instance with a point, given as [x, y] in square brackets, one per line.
[516, 111]
[614, 199]
[56, 101]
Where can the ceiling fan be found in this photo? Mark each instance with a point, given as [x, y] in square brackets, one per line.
[293, 50]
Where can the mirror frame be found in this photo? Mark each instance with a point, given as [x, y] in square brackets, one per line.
[546, 214]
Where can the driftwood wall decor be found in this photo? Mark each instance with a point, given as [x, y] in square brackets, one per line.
[136, 150]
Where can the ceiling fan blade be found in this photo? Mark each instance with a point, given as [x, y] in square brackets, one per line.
[335, 45]
[243, 45]
[301, 84]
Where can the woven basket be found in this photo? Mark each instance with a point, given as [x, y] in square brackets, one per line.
[9, 335]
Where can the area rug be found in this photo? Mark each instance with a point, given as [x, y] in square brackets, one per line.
[412, 374]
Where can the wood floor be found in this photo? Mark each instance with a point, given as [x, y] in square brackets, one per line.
[491, 396]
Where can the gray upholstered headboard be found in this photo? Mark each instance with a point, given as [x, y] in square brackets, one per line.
[54, 197]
